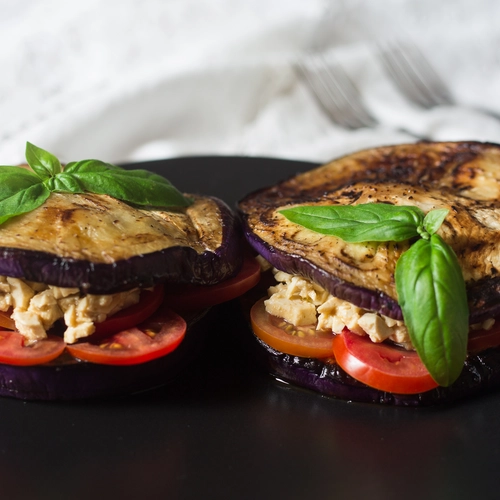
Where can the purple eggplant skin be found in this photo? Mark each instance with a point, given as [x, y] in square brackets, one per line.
[481, 373]
[177, 264]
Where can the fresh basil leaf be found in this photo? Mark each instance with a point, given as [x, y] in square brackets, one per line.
[89, 166]
[143, 174]
[431, 293]
[139, 187]
[43, 163]
[23, 190]
[359, 223]
[434, 219]
[97, 166]
[64, 183]
[14, 179]
[23, 201]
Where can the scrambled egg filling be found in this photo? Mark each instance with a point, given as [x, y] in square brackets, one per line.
[302, 302]
[36, 307]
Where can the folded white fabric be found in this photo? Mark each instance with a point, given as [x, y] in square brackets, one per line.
[149, 79]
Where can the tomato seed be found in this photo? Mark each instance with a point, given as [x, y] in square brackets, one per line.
[111, 345]
[150, 333]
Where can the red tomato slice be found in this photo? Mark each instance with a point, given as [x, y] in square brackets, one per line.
[149, 302]
[14, 352]
[182, 297]
[381, 366]
[297, 341]
[479, 340]
[156, 337]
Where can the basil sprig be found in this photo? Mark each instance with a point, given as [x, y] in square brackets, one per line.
[24, 189]
[429, 281]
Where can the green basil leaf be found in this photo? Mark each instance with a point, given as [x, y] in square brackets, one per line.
[139, 174]
[432, 296]
[358, 223]
[43, 163]
[23, 201]
[14, 179]
[139, 187]
[23, 190]
[89, 166]
[97, 166]
[64, 183]
[434, 219]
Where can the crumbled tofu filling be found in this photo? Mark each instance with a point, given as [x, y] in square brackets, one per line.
[36, 307]
[302, 302]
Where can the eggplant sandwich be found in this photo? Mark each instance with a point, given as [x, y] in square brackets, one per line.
[105, 273]
[385, 268]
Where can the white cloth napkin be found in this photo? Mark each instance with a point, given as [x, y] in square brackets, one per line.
[150, 79]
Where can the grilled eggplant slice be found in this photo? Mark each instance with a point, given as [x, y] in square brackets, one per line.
[462, 177]
[102, 245]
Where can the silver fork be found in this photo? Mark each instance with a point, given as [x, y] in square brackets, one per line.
[417, 79]
[335, 92]
[414, 76]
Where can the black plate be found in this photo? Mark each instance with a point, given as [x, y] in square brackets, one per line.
[227, 430]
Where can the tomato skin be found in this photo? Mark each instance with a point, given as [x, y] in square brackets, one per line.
[154, 338]
[14, 352]
[186, 297]
[149, 302]
[479, 340]
[268, 329]
[381, 366]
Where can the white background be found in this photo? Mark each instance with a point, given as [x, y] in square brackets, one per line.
[148, 79]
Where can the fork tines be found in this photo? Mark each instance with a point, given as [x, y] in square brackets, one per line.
[414, 76]
[335, 92]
